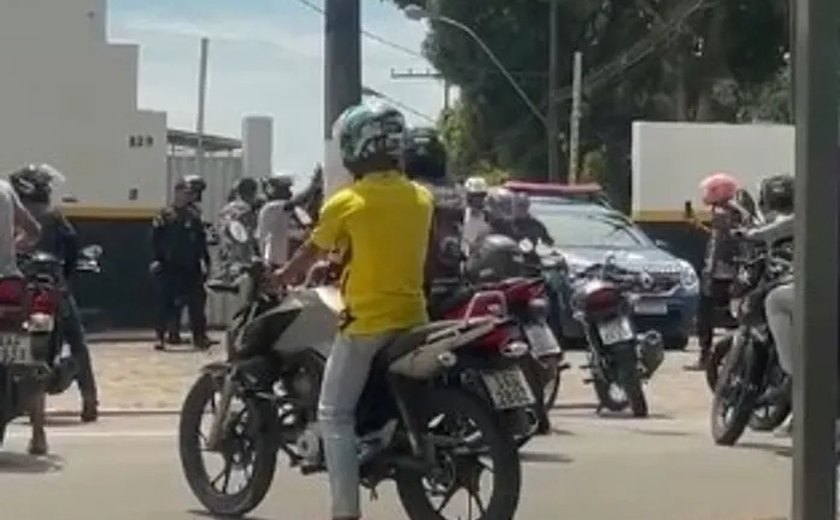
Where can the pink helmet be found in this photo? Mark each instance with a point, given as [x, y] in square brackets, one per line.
[719, 188]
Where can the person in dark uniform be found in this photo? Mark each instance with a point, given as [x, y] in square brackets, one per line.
[526, 225]
[181, 263]
[425, 162]
[33, 185]
[718, 265]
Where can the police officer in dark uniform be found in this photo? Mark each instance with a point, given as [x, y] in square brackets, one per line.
[181, 262]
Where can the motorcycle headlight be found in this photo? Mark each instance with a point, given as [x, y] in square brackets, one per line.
[688, 276]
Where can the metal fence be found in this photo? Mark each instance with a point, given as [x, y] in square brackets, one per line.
[220, 173]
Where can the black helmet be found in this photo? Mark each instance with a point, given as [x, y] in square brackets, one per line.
[277, 186]
[776, 194]
[424, 156]
[193, 184]
[33, 183]
[246, 188]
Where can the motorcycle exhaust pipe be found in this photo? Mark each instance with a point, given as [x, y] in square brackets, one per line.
[214, 439]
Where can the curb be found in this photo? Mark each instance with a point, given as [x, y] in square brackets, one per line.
[119, 412]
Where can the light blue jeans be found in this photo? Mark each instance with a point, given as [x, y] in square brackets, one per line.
[344, 380]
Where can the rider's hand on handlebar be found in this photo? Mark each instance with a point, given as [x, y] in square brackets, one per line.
[281, 278]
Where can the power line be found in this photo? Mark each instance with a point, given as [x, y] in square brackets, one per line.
[408, 108]
[411, 52]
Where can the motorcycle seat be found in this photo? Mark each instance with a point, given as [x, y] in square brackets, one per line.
[459, 296]
[408, 341]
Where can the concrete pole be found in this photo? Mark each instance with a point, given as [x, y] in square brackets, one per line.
[574, 131]
[202, 97]
[342, 78]
[816, 334]
[552, 123]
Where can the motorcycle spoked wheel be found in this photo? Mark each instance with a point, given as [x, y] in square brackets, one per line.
[246, 444]
[735, 396]
[465, 437]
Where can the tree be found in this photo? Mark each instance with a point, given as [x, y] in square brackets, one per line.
[643, 59]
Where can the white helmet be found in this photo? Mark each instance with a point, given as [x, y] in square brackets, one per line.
[476, 185]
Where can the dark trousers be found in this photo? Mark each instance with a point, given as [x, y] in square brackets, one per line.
[714, 296]
[74, 335]
[176, 290]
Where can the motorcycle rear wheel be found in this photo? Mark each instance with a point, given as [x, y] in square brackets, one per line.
[262, 453]
[458, 465]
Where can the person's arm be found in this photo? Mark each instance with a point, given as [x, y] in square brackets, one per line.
[331, 226]
[29, 231]
[158, 241]
[542, 233]
[69, 244]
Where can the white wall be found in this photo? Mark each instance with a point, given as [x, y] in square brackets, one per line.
[670, 160]
[69, 98]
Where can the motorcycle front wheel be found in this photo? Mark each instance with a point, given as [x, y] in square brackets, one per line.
[469, 445]
[714, 364]
[735, 395]
[246, 444]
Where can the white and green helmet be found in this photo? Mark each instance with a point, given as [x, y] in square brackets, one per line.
[370, 135]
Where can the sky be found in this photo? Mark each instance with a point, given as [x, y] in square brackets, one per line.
[265, 59]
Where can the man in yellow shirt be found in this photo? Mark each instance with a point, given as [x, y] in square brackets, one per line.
[385, 220]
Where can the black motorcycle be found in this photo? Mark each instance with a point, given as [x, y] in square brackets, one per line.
[750, 383]
[619, 359]
[416, 424]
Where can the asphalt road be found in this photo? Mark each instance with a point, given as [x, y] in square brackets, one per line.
[591, 468]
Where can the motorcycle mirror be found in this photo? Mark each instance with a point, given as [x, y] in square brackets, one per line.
[94, 251]
[688, 211]
[238, 232]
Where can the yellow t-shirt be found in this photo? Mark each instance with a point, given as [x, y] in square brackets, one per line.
[386, 220]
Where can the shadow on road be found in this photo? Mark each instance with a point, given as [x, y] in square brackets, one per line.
[544, 458]
[775, 449]
[662, 433]
[24, 463]
[205, 514]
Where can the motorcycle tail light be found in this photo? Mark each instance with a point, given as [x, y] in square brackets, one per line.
[12, 291]
[602, 300]
[525, 291]
[514, 349]
[45, 302]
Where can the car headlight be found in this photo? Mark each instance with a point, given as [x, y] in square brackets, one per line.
[688, 276]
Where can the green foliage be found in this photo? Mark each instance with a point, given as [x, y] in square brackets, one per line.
[655, 60]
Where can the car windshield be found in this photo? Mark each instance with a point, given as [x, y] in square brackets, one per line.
[590, 229]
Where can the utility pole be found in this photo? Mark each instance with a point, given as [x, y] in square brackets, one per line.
[202, 96]
[427, 74]
[552, 124]
[574, 131]
[815, 362]
[342, 77]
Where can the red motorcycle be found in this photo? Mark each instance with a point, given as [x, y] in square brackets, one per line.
[523, 302]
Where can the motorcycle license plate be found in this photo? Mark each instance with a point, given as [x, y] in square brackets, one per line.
[508, 388]
[615, 331]
[542, 340]
[15, 349]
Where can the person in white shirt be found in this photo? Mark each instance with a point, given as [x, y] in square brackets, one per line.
[475, 218]
[274, 220]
